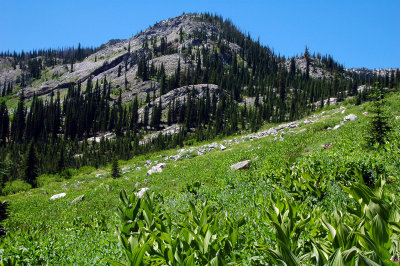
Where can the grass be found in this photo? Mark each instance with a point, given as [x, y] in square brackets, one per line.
[59, 232]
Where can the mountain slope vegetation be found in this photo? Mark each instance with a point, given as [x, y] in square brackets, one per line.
[307, 168]
[179, 105]
[66, 101]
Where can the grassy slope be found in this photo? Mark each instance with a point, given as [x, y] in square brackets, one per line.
[59, 232]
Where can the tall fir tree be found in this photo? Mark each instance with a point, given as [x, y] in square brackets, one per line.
[30, 167]
[115, 171]
[18, 122]
[4, 124]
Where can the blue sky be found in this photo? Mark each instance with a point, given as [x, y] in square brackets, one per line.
[356, 33]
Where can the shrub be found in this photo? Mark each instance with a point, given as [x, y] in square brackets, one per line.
[66, 173]
[15, 187]
[86, 170]
[43, 180]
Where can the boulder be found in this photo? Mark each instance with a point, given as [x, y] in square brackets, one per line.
[156, 169]
[81, 197]
[141, 192]
[222, 147]
[350, 117]
[57, 196]
[241, 165]
[212, 146]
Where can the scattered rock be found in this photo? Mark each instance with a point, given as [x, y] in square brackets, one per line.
[213, 146]
[175, 157]
[100, 175]
[350, 117]
[138, 168]
[301, 130]
[336, 127]
[329, 128]
[156, 169]
[141, 192]
[137, 184]
[365, 113]
[241, 165]
[327, 146]
[57, 196]
[76, 185]
[81, 197]
[222, 147]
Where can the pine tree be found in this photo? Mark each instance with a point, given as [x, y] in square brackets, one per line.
[378, 128]
[4, 124]
[18, 122]
[119, 71]
[307, 57]
[30, 165]
[115, 172]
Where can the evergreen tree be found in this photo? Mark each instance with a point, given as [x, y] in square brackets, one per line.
[30, 167]
[18, 122]
[4, 124]
[307, 57]
[115, 171]
[378, 128]
[119, 71]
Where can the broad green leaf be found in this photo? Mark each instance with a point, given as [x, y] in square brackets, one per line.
[114, 262]
[336, 259]
[349, 254]
[207, 241]
[366, 261]
[203, 218]
[379, 230]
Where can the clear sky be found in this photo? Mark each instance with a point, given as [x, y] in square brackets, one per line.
[357, 33]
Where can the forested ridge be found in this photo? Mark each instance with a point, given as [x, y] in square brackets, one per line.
[255, 86]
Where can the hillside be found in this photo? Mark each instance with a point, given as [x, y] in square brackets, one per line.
[304, 162]
[127, 92]
[228, 153]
